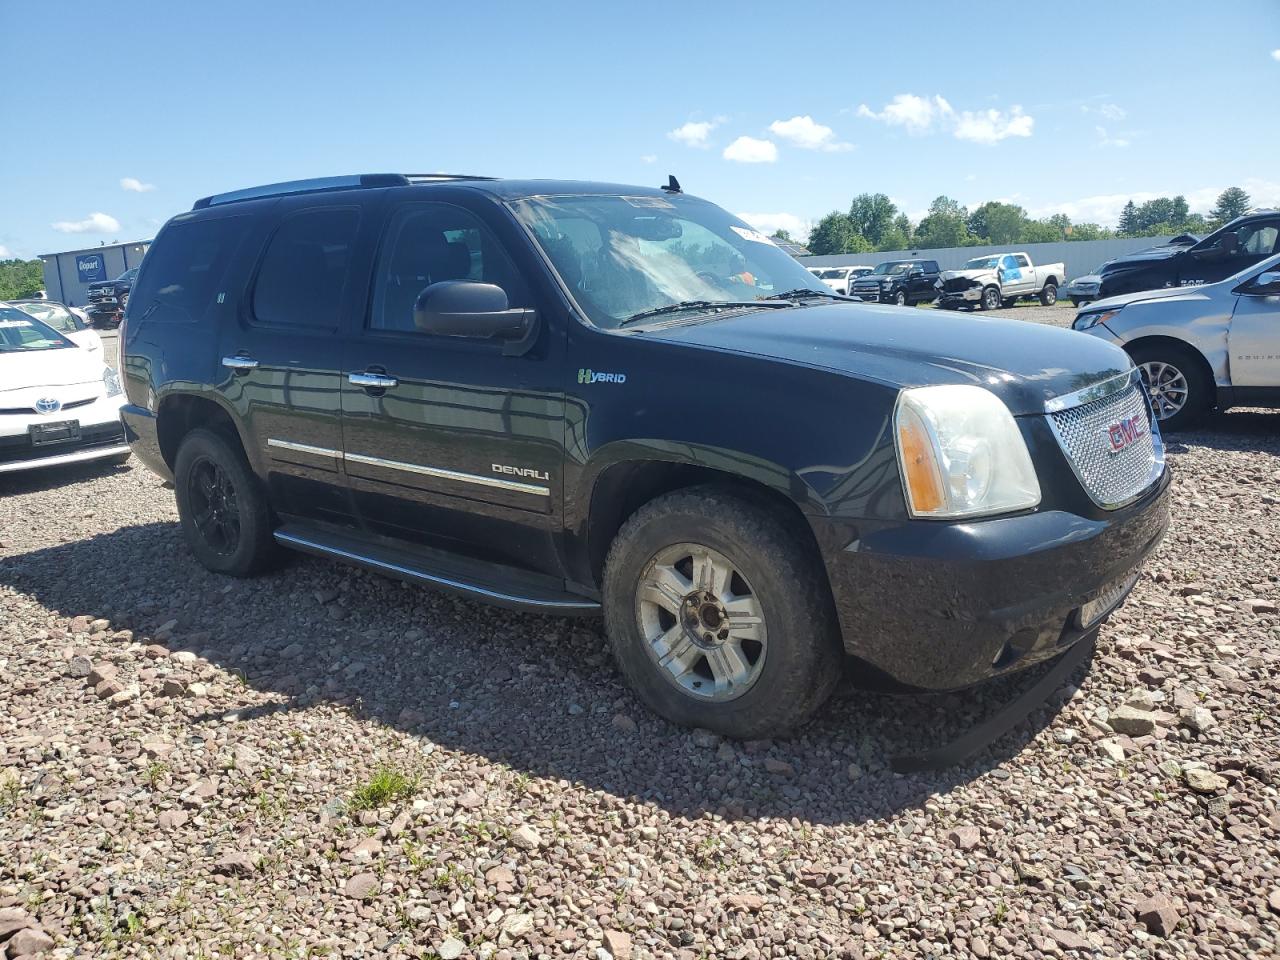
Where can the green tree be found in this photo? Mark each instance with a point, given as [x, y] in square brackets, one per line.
[997, 222]
[1089, 231]
[782, 235]
[20, 278]
[871, 215]
[1128, 225]
[1232, 203]
[833, 234]
[944, 226]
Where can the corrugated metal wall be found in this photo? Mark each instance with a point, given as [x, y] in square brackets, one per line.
[1080, 257]
[62, 280]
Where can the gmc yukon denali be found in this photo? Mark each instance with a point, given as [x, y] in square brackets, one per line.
[584, 398]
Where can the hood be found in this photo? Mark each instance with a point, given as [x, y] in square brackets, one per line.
[1023, 363]
[974, 273]
[41, 369]
[1200, 292]
[1141, 257]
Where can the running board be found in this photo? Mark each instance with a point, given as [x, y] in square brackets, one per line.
[492, 583]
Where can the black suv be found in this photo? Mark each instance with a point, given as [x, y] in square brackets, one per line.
[904, 282]
[1240, 244]
[582, 398]
[108, 299]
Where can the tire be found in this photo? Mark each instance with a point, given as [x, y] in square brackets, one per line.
[900, 298]
[990, 299]
[789, 661]
[1049, 295]
[1176, 371]
[212, 479]
[949, 306]
[1076, 301]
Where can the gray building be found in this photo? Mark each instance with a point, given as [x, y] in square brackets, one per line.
[68, 275]
[1079, 257]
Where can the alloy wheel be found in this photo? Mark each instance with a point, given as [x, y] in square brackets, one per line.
[1167, 386]
[991, 299]
[701, 622]
[215, 511]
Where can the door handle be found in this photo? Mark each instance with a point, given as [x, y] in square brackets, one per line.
[239, 363]
[372, 381]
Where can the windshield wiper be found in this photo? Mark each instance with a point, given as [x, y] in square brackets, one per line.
[685, 305]
[803, 293]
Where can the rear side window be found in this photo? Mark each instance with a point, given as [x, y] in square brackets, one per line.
[1022, 261]
[180, 274]
[304, 270]
[931, 266]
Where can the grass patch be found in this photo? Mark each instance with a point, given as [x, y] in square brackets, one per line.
[387, 785]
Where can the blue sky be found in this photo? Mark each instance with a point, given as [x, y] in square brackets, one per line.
[120, 115]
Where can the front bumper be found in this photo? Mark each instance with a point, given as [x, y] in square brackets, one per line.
[870, 296]
[943, 605]
[100, 435]
[966, 297]
[142, 432]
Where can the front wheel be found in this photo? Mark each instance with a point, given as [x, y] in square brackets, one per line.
[222, 506]
[990, 299]
[900, 298]
[1049, 295]
[719, 617]
[1180, 390]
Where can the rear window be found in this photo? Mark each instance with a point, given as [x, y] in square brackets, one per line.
[304, 270]
[179, 277]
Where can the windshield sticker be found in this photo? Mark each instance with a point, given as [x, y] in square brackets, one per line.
[650, 203]
[11, 324]
[755, 236]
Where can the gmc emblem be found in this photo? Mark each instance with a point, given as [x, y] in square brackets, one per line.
[1124, 432]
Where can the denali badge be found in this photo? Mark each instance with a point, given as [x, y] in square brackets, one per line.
[521, 472]
[1124, 432]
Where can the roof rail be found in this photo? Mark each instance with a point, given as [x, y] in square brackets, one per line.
[320, 184]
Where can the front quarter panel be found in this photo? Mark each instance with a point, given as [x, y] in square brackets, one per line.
[1202, 324]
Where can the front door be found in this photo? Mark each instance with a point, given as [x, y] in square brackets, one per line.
[281, 363]
[1234, 251]
[449, 442]
[1253, 342]
[1014, 281]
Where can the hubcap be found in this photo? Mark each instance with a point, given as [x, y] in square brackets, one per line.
[993, 299]
[1167, 387]
[702, 623]
[215, 510]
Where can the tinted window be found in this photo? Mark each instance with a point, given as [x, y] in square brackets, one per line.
[1259, 239]
[304, 270]
[179, 277]
[931, 266]
[428, 243]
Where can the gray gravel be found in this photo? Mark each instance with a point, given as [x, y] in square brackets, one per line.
[325, 760]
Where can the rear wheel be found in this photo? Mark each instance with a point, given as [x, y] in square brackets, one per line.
[719, 617]
[1049, 295]
[1180, 390]
[222, 507]
[990, 299]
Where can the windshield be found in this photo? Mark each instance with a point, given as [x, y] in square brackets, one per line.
[891, 268]
[128, 275]
[621, 256]
[54, 314]
[835, 273]
[20, 332]
[982, 263]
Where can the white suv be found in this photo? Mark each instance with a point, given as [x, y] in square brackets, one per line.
[1216, 345]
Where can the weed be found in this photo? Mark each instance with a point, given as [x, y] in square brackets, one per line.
[387, 785]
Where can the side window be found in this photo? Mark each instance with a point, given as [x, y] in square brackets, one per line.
[180, 273]
[931, 266]
[1008, 262]
[1259, 240]
[304, 270]
[427, 243]
[1022, 261]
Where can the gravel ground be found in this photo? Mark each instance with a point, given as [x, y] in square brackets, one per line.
[322, 761]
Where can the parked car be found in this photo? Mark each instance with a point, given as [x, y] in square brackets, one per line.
[107, 300]
[1213, 345]
[839, 278]
[547, 396]
[1237, 246]
[996, 280]
[63, 319]
[904, 282]
[58, 403]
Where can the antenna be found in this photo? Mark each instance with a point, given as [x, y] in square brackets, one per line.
[672, 186]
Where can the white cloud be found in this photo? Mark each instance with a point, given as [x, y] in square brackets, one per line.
[1275, 54]
[5, 253]
[694, 133]
[134, 185]
[916, 114]
[804, 132]
[1105, 208]
[992, 126]
[751, 150]
[649, 158]
[93, 223]
[772, 222]
[1108, 111]
[919, 115]
[1106, 140]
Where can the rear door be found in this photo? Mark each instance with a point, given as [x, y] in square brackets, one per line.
[455, 445]
[281, 362]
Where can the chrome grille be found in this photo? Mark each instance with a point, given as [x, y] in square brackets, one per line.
[1112, 477]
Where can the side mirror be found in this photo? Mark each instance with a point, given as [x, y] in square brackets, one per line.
[475, 310]
[1265, 284]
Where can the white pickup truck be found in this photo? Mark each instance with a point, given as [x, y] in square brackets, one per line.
[999, 279]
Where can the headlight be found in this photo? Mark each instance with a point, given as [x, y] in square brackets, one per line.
[1085, 321]
[962, 454]
[111, 380]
